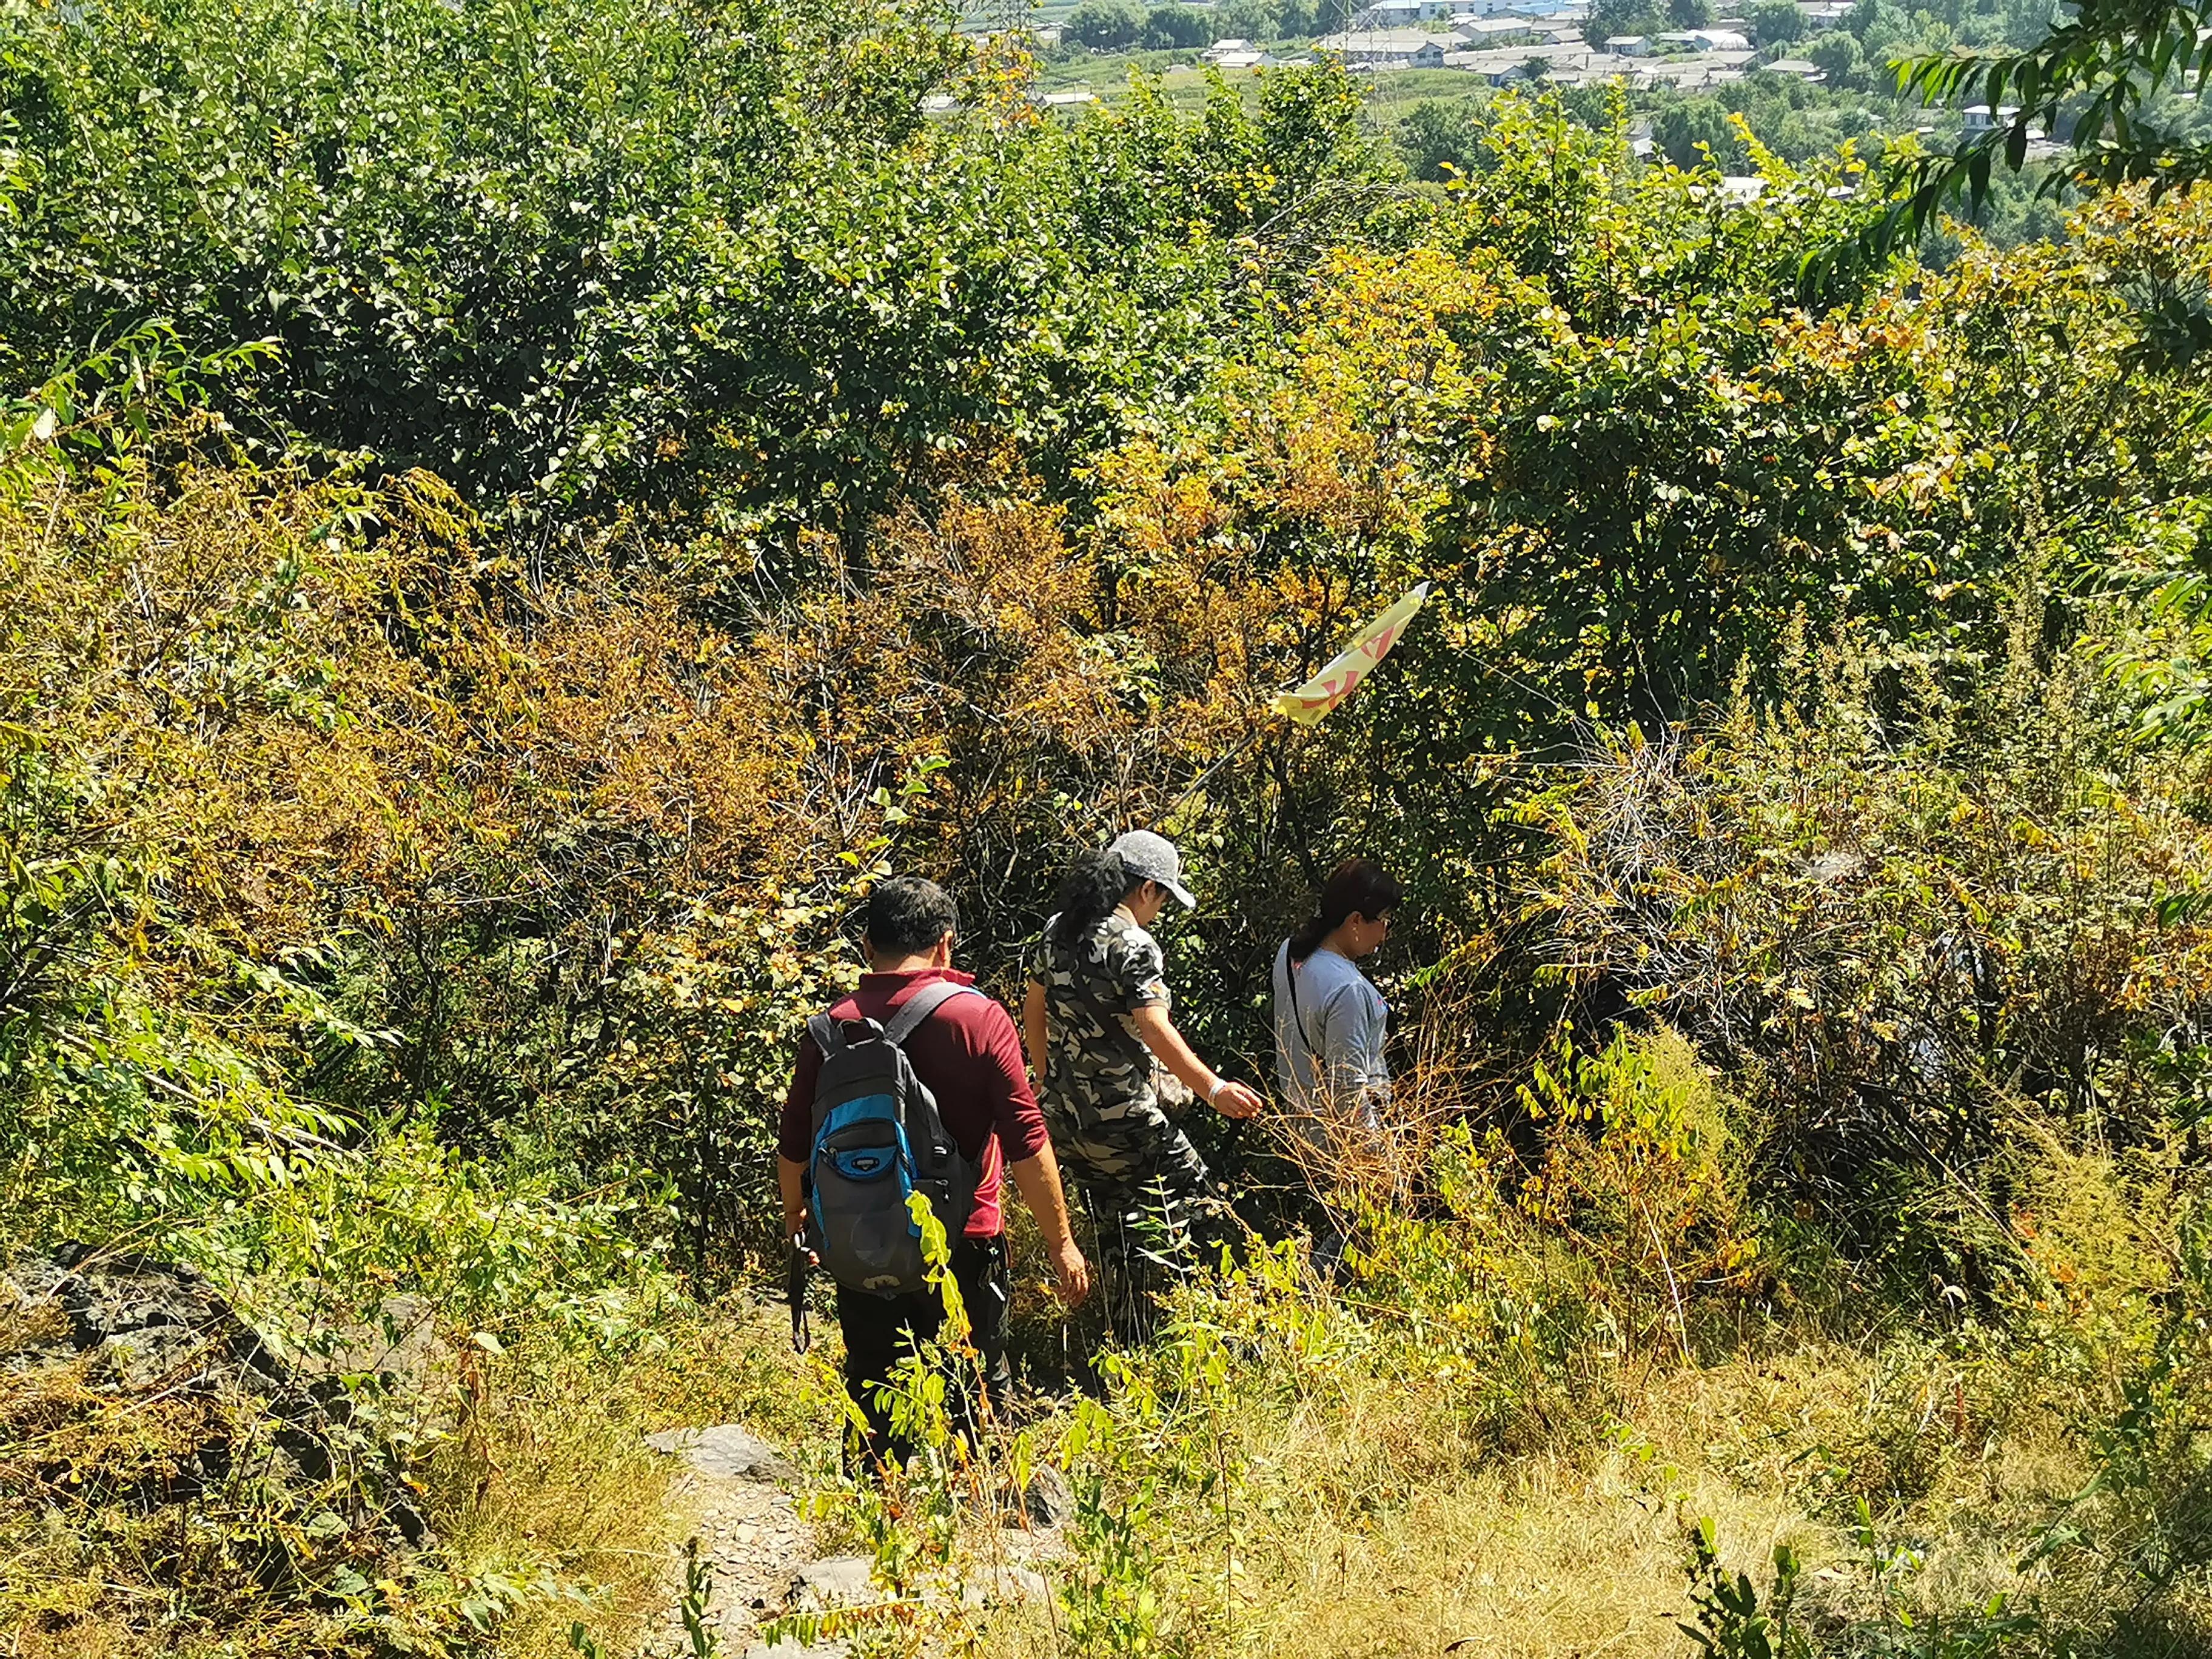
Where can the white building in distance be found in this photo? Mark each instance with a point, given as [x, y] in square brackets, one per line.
[1404, 14]
[1565, 64]
[1380, 49]
[1496, 31]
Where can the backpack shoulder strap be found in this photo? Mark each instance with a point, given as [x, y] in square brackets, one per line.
[920, 1006]
[828, 1036]
[1297, 1014]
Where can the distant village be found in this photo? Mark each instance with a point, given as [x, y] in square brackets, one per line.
[1505, 41]
[1509, 42]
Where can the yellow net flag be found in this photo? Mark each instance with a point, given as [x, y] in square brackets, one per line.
[1306, 704]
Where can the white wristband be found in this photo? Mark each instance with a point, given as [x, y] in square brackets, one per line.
[1214, 1094]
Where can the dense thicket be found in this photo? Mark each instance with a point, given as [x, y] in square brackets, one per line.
[512, 516]
[1244, 392]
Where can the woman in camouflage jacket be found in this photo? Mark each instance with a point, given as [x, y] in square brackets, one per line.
[1109, 1062]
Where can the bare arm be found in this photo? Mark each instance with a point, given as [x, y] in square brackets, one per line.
[1038, 1178]
[1160, 1035]
[1033, 1030]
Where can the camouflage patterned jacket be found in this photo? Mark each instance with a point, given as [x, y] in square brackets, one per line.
[1102, 1091]
[1098, 1068]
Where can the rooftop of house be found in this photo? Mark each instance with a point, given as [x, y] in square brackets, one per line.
[1386, 42]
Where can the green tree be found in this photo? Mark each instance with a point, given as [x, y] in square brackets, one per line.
[1105, 25]
[1250, 20]
[1881, 29]
[1437, 134]
[1608, 18]
[1776, 22]
[1836, 55]
[1690, 13]
[491, 242]
[1177, 24]
[1679, 128]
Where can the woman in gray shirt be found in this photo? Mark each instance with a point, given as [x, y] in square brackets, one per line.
[1330, 1023]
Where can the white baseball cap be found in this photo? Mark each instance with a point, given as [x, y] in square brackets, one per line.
[1148, 856]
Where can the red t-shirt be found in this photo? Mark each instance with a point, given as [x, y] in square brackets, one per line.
[970, 1058]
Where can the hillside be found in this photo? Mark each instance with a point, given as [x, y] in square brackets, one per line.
[513, 519]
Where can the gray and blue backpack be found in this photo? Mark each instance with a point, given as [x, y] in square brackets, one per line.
[878, 1137]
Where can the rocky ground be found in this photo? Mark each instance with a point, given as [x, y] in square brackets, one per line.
[151, 1441]
[129, 1385]
[736, 1490]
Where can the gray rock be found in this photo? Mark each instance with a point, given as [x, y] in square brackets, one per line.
[1047, 1501]
[833, 1582]
[139, 1358]
[154, 1328]
[727, 1452]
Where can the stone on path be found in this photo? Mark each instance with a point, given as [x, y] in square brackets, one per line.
[726, 1452]
[837, 1581]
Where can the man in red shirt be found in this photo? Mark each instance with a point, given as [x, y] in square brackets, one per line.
[968, 1056]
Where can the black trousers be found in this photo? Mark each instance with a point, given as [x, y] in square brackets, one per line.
[880, 1330]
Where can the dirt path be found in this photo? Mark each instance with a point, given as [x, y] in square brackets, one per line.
[732, 1492]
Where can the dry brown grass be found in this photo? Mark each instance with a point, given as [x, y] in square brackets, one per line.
[549, 1473]
[552, 1472]
[96, 1557]
[732, 1362]
[1374, 1520]
[1369, 1528]
[1543, 1558]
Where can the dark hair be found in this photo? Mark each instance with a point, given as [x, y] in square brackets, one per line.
[907, 915]
[1359, 888]
[1093, 885]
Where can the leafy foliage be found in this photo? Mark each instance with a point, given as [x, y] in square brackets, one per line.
[2104, 78]
[638, 254]
[513, 519]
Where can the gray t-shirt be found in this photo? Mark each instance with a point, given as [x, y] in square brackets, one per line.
[1328, 1039]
